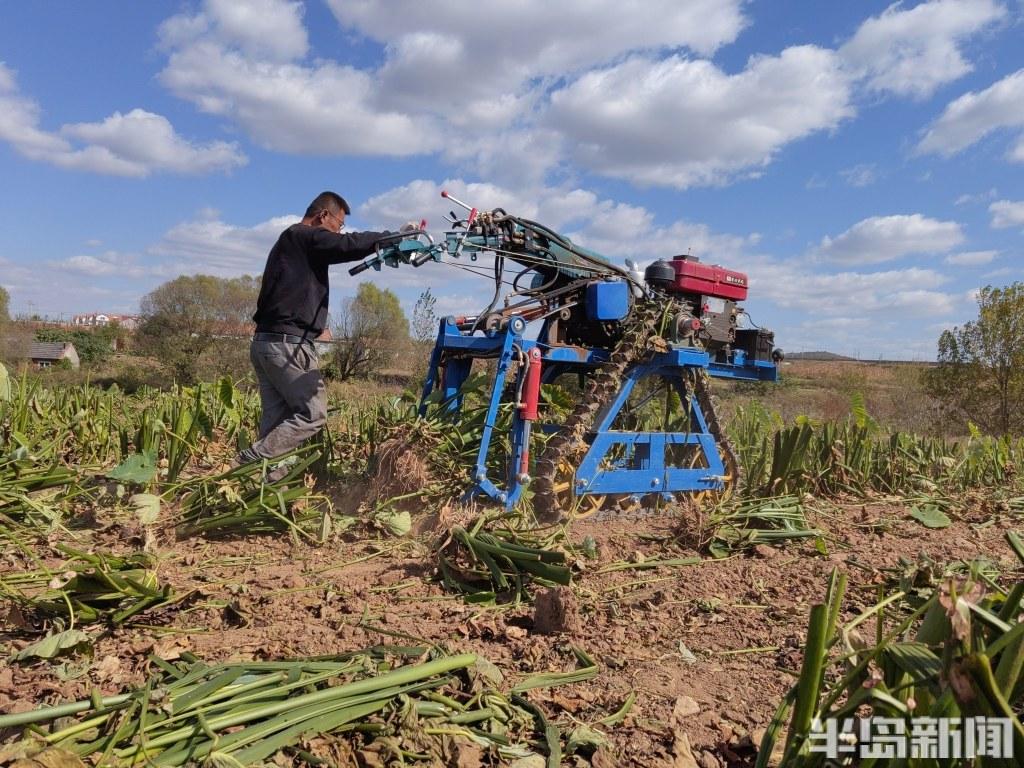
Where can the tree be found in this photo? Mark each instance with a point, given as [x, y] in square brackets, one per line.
[980, 374]
[187, 316]
[424, 319]
[372, 328]
[92, 346]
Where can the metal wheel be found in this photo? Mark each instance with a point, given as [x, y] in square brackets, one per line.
[578, 507]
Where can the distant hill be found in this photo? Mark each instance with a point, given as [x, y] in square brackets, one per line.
[816, 356]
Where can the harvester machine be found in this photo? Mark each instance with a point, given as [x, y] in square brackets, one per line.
[632, 350]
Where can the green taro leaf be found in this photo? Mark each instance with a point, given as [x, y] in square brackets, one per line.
[397, 522]
[930, 516]
[54, 645]
[584, 739]
[139, 468]
[146, 507]
[226, 393]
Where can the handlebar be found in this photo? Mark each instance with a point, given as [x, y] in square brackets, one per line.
[415, 247]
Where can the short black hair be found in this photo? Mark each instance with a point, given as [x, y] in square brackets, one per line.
[331, 202]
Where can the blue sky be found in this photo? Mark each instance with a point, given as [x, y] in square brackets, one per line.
[861, 161]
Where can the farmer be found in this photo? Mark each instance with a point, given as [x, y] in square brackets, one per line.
[291, 313]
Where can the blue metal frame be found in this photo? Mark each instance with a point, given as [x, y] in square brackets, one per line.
[645, 468]
[642, 468]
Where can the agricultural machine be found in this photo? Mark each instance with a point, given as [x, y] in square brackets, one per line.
[635, 349]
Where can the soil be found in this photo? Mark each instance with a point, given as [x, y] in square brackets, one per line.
[708, 649]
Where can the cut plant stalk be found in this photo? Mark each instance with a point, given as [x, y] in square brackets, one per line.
[244, 713]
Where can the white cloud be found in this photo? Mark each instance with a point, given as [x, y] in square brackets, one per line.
[109, 264]
[1017, 153]
[862, 175]
[1007, 213]
[923, 303]
[647, 241]
[16, 276]
[849, 294]
[322, 109]
[601, 82]
[504, 43]
[974, 115]
[265, 29]
[229, 59]
[261, 26]
[136, 144]
[510, 99]
[979, 197]
[971, 258]
[210, 246]
[612, 85]
[519, 157]
[1001, 272]
[19, 118]
[884, 238]
[421, 198]
[519, 51]
[53, 292]
[913, 51]
[144, 142]
[683, 122]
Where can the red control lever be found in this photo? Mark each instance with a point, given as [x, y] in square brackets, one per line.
[470, 208]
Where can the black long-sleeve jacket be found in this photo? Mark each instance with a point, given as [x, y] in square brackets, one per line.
[295, 289]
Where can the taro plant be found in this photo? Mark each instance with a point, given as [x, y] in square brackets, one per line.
[856, 457]
[958, 654]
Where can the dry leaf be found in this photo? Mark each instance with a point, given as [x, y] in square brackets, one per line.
[108, 668]
[684, 707]
[51, 758]
[683, 753]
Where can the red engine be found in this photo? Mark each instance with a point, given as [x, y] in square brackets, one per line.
[712, 319]
[707, 280]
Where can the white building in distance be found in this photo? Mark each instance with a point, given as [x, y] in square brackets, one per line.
[99, 319]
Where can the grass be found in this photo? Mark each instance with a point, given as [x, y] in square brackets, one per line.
[823, 390]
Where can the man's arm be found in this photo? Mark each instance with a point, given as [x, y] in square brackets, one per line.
[338, 248]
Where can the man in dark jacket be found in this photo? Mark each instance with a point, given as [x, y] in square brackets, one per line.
[291, 313]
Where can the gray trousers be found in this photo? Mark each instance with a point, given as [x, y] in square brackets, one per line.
[292, 396]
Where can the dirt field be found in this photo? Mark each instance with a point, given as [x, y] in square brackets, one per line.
[709, 649]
